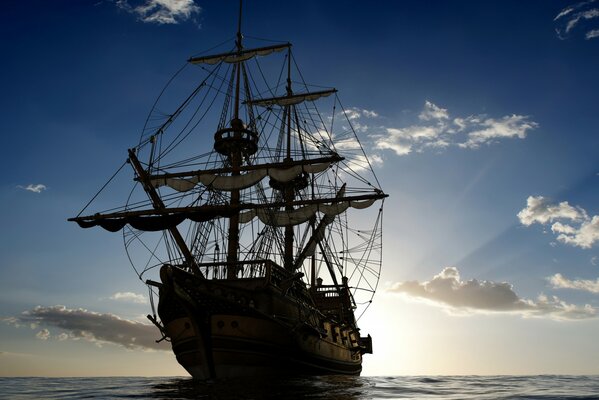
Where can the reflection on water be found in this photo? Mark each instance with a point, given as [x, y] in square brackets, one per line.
[329, 387]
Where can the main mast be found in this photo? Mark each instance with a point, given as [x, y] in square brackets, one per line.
[235, 160]
[288, 189]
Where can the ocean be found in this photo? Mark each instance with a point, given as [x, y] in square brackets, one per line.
[327, 387]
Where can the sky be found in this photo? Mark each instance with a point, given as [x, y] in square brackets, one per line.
[482, 119]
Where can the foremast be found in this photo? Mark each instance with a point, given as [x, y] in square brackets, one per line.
[159, 206]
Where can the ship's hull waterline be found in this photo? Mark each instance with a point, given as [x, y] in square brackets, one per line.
[248, 327]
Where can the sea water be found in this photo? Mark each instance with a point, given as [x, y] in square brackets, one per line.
[326, 387]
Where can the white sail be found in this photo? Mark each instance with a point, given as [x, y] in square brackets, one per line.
[179, 184]
[362, 204]
[238, 182]
[301, 214]
[285, 218]
[247, 216]
[232, 182]
[235, 57]
[285, 175]
[333, 209]
[316, 168]
[291, 99]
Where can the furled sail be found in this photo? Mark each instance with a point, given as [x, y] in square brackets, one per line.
[146, 221]
[156, 222]
[291, 99]
[238, 182]
[288, 174]
[235, 57]
[301, 214]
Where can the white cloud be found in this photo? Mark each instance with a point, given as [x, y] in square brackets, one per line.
[594, 260]
[433, 112]
[12, 321]
[564, 12]
[370, 113]
[347, 143]
[354, 113]
[512, 126]
[558, 227]
[161, 11]
[582, 230]
[98, 328]
[539, 210]
[438, 130]
[584, 236]
[448, 290]
[44, 334]
[356, 118]
[560, 282]
[398, 140]
[376, 159]
[592, 34]
[130, 297]
[581, 16]
[35, 188]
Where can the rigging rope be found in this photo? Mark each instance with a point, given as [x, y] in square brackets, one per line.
[102, 188]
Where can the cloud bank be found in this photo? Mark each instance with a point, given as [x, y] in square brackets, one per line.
[579, 17]
[98, 328]
[437, 129]
[35, 188]
[448, 290]
[161, 11]
[571, 225]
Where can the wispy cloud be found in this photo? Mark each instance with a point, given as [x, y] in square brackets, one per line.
[81, 324]
[448, 290]
[161, 11]
[35, 188]
[359, 118]
[438, 130]
[433, 112]
[572, 225]
[592, 34]
[44, 334]
[558, 281]
[130, 297]
[579, 17]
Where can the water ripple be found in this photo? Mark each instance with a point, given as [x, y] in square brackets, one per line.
[544, 387]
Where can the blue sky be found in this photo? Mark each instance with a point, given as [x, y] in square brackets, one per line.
[481, 116]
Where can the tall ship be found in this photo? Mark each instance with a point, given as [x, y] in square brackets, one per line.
[255, 218]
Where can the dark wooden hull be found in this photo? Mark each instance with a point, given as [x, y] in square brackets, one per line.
[235, 328]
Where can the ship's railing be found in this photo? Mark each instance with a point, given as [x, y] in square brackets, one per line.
[244, 269]
[331, 298]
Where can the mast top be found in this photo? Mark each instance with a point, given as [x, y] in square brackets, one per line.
[239, 35]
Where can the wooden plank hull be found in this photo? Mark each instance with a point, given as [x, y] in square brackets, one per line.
[244, 328]
[247, 346]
